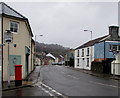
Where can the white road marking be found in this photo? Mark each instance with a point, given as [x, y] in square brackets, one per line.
[46, 91]
[105, 84]
[40, 84]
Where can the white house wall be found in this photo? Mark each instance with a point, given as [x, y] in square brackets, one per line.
[83, 60]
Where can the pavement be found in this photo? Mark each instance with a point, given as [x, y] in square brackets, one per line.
[32, 78]
[28, 82]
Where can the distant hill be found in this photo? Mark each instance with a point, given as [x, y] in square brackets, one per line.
[54, 49]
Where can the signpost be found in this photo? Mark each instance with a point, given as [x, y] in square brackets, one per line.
[8, 38]
[0, 70]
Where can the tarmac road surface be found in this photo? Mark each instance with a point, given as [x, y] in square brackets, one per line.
[61, 81]
[74, 83]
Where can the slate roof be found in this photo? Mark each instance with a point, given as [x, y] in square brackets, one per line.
[7, 10]
[92, 42]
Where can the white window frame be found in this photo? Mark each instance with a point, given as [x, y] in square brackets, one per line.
[88, 62]
[88, 51]
[117, 47]
[82, 53]
[15, 23]
[78, 54]
[78, 62]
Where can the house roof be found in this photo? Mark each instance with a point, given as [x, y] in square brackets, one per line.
[92, 42]
[50, 55]
[7, 10]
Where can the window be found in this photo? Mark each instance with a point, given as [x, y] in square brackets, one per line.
[77, 62]
[78, 53]
[87, 62]
[114, 47]
[13, 26]
[119, 47]
[87, 51]
[82, 52]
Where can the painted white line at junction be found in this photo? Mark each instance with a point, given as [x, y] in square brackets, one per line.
[46, 91]
[40, 84]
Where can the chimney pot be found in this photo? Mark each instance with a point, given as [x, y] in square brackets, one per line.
[114, 31]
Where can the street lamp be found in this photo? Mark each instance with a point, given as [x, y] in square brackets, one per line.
[8, 38]
[90, 32]
[91, 40]
[36, 45]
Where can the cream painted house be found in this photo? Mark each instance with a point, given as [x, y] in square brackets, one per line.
[21, 51]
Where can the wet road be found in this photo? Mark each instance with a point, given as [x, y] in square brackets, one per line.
[62, 81]
[74, 83]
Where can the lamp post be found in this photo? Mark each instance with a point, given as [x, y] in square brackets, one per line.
[8, 37]
[91, 40]
[36, 45]
[90, 32]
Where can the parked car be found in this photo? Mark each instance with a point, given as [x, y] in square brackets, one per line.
[61, 63]
[54, 63]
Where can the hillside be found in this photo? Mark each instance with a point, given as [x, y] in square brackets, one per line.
[55, 49]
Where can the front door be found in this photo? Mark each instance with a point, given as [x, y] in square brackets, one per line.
[27, 63]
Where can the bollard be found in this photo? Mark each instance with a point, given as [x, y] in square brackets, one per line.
[18, 75]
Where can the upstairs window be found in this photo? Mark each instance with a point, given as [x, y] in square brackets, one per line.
[14, 26]
[115, 47]
[119, 47]
[82, 52]
[78, 53]
[88, 51]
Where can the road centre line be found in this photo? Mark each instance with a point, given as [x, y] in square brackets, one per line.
[69, 75]
[72, 76]
[105, 84]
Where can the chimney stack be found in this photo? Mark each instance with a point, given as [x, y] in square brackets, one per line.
[114, 32]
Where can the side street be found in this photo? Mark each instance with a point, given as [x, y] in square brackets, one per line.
[29, 67]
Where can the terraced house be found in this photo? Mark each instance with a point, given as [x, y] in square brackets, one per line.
[21, 50]
[101, 54]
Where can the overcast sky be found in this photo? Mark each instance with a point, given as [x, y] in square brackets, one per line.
[63, 22]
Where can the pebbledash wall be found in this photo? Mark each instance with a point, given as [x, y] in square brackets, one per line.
[23, 52]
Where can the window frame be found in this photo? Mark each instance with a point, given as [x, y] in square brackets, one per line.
[78, 53]
[15, 26]
[78, 62]
[88, 51]
[88, 62]
[82, 53]
[112, 45]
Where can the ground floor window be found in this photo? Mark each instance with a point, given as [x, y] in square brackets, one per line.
[78, 62]
[87, 62]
